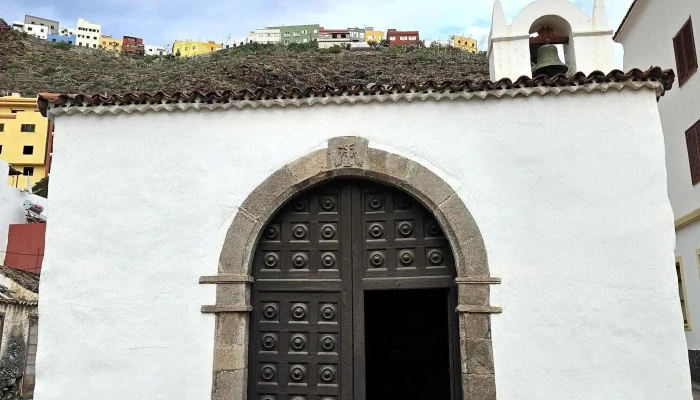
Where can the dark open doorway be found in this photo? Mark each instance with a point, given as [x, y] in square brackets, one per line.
[407, 345]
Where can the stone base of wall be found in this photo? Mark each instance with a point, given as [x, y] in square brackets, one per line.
[694, 358]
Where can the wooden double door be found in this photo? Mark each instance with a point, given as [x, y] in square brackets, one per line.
[327, 255]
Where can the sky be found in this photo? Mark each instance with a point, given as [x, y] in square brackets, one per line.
[160, 22]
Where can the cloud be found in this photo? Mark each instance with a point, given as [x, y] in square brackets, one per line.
[163, 21]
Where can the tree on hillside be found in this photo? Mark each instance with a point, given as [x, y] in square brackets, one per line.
[41, 188]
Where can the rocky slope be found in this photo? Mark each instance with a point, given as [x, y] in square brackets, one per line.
[30, 66]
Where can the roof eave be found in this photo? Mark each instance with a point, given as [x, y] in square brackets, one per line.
[42, 102]
[655, 78]
[625, 20]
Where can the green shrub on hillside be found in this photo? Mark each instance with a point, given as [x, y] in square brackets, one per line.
[301, 47]
[61, 46]
[331, 50]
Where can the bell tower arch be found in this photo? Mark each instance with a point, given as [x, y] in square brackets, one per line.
[586, 40]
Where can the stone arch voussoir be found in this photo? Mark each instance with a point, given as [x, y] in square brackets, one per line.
[352, 157]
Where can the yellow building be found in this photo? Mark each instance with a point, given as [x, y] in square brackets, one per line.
[464, 43]
[373, 35]
[111, 44]
[189, 48]
[23, 138]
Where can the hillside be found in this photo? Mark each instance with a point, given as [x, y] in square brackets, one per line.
[30, 66]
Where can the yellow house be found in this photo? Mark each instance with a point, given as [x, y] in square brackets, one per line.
[23, 138]
[189, 48]
[464, 43]
[373, 35]
[111, 44]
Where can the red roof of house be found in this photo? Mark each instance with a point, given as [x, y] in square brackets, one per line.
[395, 32]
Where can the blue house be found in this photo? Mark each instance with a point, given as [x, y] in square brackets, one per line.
[60, 38]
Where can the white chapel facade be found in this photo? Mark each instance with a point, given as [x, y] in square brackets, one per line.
[344, 218]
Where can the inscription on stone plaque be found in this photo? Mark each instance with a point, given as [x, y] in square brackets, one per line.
[348, 157]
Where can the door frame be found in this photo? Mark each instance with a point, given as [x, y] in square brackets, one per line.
[351, 156]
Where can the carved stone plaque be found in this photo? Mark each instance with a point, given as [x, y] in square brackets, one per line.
[347, 152]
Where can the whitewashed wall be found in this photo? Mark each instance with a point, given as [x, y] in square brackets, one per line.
[39, 31]
[569, 193]
[649, 42]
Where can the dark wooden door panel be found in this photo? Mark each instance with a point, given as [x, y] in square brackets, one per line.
[314, 261]
[401, 238]
[297, 345]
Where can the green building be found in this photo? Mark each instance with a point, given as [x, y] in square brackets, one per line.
[297, 33]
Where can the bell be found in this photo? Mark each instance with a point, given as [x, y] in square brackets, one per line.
[548, 62]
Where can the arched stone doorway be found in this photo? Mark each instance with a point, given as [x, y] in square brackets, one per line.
[351, 157]
[353, 298]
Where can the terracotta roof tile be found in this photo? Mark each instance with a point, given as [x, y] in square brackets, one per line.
[27, 280]
[654, 74]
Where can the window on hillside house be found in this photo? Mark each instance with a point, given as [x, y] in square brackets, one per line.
[0, 153]
[692, 141]
[315, 30]
[2, 127]
[682, 293]
[29, 28]
[28, 171]
[686, 55]
[392, 37]
[16, 111]
[28, 150]
[28, 128]
[94, 46]
[343, 36]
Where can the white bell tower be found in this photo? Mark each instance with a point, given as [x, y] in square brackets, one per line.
[587, 41]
